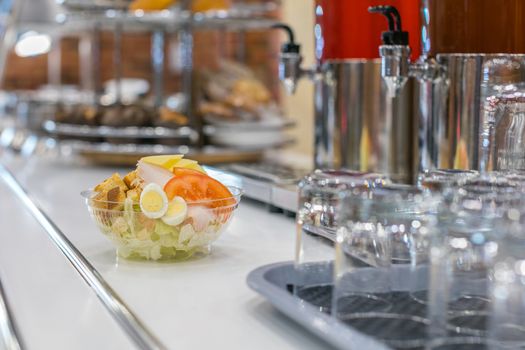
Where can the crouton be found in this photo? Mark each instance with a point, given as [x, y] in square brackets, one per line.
[111, 193]
[114, 181]
[116, 198]
[130, 179]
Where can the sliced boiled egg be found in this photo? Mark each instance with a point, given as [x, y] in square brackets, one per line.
[153, 201]
[177, 212]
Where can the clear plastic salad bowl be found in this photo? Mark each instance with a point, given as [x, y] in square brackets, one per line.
[139, 237]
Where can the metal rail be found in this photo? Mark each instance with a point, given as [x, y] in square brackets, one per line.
[9, 335]
[134, 328]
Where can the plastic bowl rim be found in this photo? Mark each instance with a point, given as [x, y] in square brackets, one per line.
[237, 193]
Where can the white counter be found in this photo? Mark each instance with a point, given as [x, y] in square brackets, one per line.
[199, 304]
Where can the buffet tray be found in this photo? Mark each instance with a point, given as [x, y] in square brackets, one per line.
[128, 154]
[402, 326]
[95, 5]
[74, 130]
[275, 282]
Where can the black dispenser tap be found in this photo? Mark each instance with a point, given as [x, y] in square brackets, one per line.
[290, 46]
[395, 34]
[290, 70]
[394, 52]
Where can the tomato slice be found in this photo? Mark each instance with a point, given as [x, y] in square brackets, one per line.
[195, 186]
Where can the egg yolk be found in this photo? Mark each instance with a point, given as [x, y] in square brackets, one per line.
[152, 201]
[174, 208]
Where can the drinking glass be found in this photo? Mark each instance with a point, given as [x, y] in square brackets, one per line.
[515, 177]
[508, 140]
[462, 255]
[506, 329]
[316, 226]
[381, 259]
[439, 180]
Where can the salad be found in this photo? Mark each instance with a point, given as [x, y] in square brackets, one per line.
[168, 208]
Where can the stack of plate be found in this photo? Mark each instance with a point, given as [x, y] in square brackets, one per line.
[260, 135]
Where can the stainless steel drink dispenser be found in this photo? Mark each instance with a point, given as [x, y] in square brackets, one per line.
[451, 96]
[399, 117]
[358, 124]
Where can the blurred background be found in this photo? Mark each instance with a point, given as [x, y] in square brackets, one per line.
[65, 51]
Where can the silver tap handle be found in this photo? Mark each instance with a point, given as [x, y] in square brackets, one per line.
[395, 52]
[395, 60]
[395, 66]
[290, 70]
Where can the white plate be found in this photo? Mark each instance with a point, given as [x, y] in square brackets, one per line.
[270, 124]
[250, 139]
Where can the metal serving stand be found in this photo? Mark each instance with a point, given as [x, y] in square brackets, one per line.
[87, 20]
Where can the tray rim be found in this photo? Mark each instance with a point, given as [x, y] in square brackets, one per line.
[142, 132]
[322, 325]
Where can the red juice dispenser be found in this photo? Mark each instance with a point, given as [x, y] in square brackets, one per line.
[345, 29]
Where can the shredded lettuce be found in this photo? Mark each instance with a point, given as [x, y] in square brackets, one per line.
[162, 229]
[138, 237]
[186, 233]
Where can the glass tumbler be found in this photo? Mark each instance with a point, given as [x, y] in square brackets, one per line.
[382, 259]
[515, 177]
[508, 150]
[316, 224]
[439, 180]
[506, 328]
[463, 253]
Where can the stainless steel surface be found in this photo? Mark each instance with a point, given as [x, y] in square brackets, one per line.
[290, 59]
[429, 96]
[9, 336]
[395, 66]
[54, 64]
[285, 197]
[274, 173]
[273, 184]
[35, 12]
[457, 136]
[186, 46]
[87, 54]
[146, 132]
[359, 125]
[142, 337]
[364, 118]
[170, 21]
[89, 24]
[449, 102]
[290, 70]
[95, 5]
[157, 62]
[117, 61]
